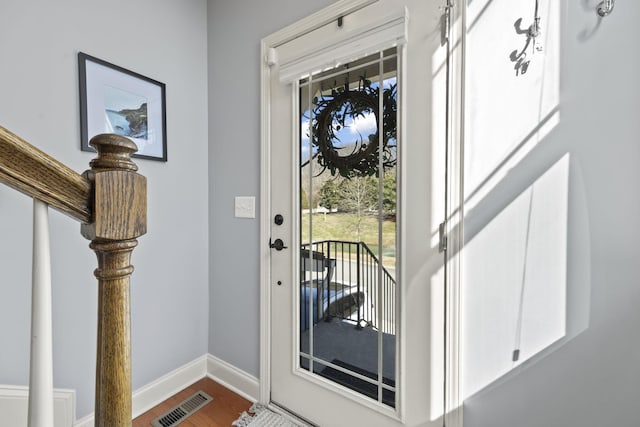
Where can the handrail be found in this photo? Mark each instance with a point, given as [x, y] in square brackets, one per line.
[38, 175]
[367, 249]
[378, 263]
[110, 200]
[369, 291]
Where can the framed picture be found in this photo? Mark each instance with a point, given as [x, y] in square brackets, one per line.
[116, 100]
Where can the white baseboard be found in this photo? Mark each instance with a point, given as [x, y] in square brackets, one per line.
[233, 378]
[161, 389]
[166, 386]
[14, 406]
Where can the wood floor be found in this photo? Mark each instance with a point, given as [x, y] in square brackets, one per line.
[225, 408]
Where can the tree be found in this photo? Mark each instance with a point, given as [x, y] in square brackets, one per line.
[304, 199]
[389, 193]
[329, 196]
[358, 195]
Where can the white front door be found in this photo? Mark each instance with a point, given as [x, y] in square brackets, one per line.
[355, 153]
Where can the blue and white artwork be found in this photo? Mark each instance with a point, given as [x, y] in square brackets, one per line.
[125, 113]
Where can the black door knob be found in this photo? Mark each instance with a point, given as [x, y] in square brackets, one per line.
[277, 244]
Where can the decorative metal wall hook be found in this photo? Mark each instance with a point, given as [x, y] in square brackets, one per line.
[533, 38]
[534, 30]
[606, 7]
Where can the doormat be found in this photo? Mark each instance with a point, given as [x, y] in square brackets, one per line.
[262, 417]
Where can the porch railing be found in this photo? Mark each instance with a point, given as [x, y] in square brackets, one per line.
[109, 200]
[348, 282]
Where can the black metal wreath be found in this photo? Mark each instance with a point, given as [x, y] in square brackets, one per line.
[330, 115]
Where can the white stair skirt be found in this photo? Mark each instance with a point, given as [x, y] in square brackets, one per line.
[41, 362]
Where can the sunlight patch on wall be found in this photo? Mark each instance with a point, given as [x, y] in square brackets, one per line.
[512, 88]
[514, 283]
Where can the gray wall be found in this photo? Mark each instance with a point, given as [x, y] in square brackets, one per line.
[589, 376]
[162, 39]
[197, 270]
[235, 31]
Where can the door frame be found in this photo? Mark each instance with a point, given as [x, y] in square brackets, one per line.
[453, 224]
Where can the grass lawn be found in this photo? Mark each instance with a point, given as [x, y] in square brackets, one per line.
[343, 227]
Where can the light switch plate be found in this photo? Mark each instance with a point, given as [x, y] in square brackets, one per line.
[245, 207]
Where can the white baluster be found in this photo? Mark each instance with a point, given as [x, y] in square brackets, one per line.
[41, 364]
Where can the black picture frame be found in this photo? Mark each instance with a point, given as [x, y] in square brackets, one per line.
[116, 100]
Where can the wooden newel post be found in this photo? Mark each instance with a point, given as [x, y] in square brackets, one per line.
[119, 215]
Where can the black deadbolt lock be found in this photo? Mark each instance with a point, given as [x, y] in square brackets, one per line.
[278, 219]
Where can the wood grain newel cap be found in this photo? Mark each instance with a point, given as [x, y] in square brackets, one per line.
[114, 152]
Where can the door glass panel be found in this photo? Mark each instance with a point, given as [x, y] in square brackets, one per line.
[348, 198]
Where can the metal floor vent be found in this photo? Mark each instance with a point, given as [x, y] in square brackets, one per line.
[178, 414]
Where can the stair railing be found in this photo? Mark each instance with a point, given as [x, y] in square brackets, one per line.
[110, 202]
[355, 265]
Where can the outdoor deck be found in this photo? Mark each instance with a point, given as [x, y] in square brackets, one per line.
[347, 346]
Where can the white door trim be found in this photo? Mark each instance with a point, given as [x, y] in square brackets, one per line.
[455, 216]
[455, 189]
[272, 41]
